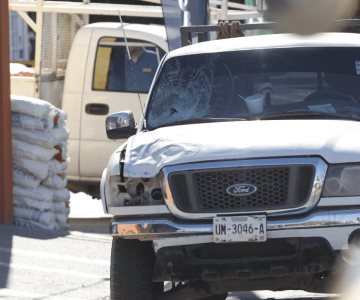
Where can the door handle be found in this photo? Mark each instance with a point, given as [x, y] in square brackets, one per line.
[97, 109]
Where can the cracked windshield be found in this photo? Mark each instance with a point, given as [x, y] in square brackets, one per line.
[266, 84]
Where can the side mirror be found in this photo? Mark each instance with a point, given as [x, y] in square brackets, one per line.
[120, 125]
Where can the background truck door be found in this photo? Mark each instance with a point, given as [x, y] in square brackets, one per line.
[117, 84]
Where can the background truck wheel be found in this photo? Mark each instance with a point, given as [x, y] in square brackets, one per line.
[131, 270]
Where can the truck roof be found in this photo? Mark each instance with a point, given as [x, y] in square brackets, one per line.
[269, 42]
[157, 30]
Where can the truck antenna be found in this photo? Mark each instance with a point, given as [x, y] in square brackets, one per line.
[131, 62]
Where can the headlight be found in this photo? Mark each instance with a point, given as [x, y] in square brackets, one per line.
[342, 180]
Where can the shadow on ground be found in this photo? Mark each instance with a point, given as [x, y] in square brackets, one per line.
[6, 243]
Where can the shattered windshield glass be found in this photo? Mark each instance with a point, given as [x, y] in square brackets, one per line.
[257, 84]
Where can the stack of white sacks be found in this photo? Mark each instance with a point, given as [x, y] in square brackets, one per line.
[41, 199]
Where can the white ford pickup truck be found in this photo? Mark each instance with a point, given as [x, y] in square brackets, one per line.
[243, 173]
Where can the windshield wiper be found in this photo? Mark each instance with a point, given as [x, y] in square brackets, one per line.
[200, 120]
[306, 114]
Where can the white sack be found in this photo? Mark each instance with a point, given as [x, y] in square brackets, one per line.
[40, 193]
[24, 178]
[62, 226]
[28, 122]
[55, 182]
[26, 202]
[30, 106]
[33, 224]
[61, 217]
[59, 207]
[61, 195]
[47, 218]
[57, 117]
[60, 133]
[38, 168]
[36, 137]
[31, 151]
[57, 167]
[62, 154]
[17, 69]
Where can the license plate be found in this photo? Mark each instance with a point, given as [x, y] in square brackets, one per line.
[239, 229]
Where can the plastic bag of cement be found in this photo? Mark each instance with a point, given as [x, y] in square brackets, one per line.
[62, 217]
[30, 106]
[28, 122]
[32, 224]
[57, 117]
[25, 178]
[61, 134]
[55, 181]
[62, 154]
[25, 202]
[61, 195]
[39, 169]
[57, 167]
[59, 207]
[41, 193]
[30, 151]
[36, 137]
[46, 218]
[62, 226]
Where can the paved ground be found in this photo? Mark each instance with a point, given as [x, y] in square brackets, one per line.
[37, 264]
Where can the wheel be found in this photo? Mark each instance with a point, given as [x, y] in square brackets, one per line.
[131, 270]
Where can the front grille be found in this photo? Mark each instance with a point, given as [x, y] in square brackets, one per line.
[278, 187]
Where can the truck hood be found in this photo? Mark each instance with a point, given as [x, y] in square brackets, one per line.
[336, 141]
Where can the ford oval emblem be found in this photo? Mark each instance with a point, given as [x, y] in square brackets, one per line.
[241, 189]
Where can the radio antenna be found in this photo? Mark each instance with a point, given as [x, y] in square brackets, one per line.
[131, 63]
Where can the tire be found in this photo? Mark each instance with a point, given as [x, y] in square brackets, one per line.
[131, 270]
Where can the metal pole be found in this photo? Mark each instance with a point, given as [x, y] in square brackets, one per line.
[6, 207]
[38, 45]
[224, 10]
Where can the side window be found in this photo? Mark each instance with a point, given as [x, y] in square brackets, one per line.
[115, 72]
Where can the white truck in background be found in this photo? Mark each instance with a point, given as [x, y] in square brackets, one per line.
[92, 77]
[99, 80]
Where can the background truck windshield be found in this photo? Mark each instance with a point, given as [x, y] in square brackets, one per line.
[257, 84]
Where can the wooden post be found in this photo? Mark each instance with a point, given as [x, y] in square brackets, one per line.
[6, 206]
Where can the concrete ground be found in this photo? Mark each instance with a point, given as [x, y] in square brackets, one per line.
[38, 264]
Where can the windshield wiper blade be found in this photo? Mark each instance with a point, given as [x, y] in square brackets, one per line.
[305, 114]
[200, 120]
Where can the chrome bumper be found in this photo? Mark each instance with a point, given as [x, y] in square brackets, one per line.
[148, 229]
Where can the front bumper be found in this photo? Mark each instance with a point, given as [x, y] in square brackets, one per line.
[335, 226]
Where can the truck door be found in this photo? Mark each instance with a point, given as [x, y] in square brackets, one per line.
[117, 84]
